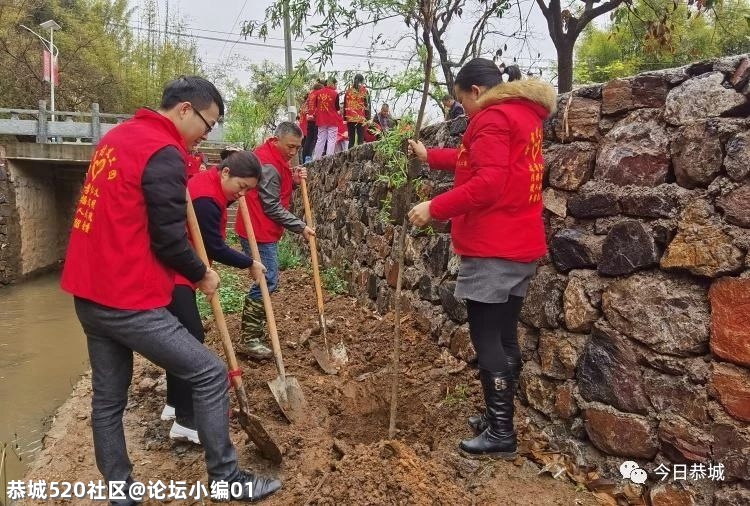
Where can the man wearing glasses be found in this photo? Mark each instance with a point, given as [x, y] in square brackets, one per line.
[128, 239]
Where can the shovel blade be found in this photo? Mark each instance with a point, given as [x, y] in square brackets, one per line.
[290, 398]
[252, 426]
[324, 359]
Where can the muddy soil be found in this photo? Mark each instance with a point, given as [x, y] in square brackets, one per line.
[342, 455]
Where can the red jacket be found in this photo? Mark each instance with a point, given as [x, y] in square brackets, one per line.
[194, 162]
[266, 230]
[356, 104]
[207, 184]
[303, 118]
[109, 259]
[496, 203]
[326, 112]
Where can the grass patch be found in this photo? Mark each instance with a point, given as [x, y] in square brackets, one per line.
[232, 292]
[333, 280]
[290, 253]
[458, 395]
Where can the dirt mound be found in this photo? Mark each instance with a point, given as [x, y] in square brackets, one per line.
[342, 454]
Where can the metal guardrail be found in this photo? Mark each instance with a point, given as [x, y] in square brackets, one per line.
[69, 127]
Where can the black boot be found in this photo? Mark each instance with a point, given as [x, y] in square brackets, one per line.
[251, 488]
[499, 439]
[479, 422]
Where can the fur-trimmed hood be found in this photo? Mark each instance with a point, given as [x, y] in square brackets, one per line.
[536, 91]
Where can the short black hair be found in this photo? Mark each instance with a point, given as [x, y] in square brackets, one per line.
[447, 98]
[241, 164]
[194, 89]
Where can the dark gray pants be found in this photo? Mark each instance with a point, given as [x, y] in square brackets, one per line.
[113, 335]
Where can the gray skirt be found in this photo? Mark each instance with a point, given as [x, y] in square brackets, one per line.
[492, 280]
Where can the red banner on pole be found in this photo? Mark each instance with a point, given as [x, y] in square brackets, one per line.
[46, 64]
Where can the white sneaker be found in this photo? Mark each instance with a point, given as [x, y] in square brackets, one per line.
[167, 413]
[182, 433]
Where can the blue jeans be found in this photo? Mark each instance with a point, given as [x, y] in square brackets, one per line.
[269, 256]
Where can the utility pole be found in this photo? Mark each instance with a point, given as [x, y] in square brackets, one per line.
[291, 107]
[49, 45]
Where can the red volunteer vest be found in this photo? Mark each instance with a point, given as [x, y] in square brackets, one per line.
[266, 230]
[207, 184]
[109, 259]
[355, 105]
[325, 108]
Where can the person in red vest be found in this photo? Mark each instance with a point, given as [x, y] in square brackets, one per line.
[128, 239]
[196, 162]
[269, 205]
[327, 119]
[357, 110]
[211, 192]
[495, 208]
[311, 137]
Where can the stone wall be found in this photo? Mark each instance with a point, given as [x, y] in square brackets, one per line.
[37, 202]
[10, 232]
[636, 329]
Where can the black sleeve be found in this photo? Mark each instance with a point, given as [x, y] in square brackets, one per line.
[209, 220]
[163, 182]
[338, 106]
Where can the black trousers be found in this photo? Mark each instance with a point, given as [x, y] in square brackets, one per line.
[494, 334]
[184, 307]
[310, 139]
[357, 129]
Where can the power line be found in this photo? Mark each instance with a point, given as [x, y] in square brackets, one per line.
[270, 46]
[230, 30]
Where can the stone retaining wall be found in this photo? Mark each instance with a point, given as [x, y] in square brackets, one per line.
[636, 329]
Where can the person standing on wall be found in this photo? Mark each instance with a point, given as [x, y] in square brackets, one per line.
[129, 238]
[311, 138]
[211, 192]
[269, 205]
[356, 110]
[495, 208]
[327, 119]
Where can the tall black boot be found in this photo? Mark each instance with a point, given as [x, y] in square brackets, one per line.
[499, 438]
[479, 422]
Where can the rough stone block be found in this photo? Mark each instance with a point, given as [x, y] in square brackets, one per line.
[696, 154]
[675, 395]
[699, 98]
[620, 434]
[731, 385]
[701, 246]
[669, 315]
[608, 372]
[684, 443]
[730, 320]
[635, 151]
[736, 206]
[559, 352]
[578, 120]
[629, 247]
[570, 165]
[575, 249]
[543, 304]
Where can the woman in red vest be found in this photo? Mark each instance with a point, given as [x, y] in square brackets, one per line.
[495, 208]
[128, 239]
[211, 192]
[327, 119]
[356, 110]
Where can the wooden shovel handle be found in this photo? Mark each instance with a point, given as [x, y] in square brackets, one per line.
[272, 331]
[221, 323]
[313, 253]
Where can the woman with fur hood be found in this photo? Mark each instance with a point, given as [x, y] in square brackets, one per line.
[495, 208]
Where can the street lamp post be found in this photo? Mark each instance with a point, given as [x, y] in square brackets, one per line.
[49, 45]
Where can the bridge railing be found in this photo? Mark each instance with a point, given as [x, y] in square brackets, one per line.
[68, 127]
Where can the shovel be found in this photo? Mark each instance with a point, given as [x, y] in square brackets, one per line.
[331, 360]
[285, 389]
[249, 422]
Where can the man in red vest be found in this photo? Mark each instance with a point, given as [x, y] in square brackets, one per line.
[269, 205]
[128, 240]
